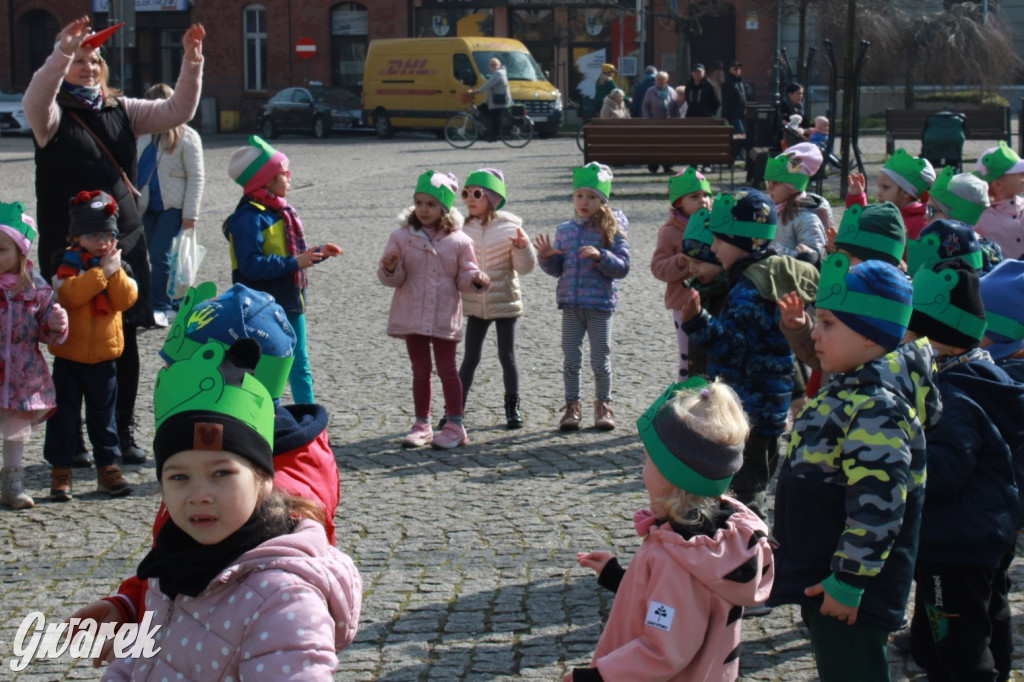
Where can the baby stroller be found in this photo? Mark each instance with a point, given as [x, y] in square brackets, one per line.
[942, 139]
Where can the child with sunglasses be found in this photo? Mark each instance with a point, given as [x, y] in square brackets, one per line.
[504, 252]
[94, 288]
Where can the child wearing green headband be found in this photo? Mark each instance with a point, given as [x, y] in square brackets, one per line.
[972, 510]
[851, 487]
[1003, 220]
[688, 193]
[588, 255]
[675, 617]
[803, 217]
[904, 180]
[504, 252]
[428, 260]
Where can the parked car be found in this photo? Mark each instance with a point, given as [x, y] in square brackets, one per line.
[12, 115]
[316, 110]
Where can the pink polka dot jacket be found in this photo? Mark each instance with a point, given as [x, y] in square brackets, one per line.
[281, 612]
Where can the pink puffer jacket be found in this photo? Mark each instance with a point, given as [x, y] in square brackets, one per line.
[427, 281]
[25, 382]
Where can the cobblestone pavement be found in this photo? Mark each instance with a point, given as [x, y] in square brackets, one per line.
[467, 556]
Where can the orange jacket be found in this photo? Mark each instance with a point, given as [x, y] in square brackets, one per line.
[94, 338]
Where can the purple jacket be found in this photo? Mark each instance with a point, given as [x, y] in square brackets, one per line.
[25, 382]
[427, 282]
[281, 611]
[584, 282]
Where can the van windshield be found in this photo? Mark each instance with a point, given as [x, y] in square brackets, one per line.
[519, 65]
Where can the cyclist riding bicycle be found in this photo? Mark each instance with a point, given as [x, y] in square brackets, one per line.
[496, 88]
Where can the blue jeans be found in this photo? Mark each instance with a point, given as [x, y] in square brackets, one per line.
[161, 228]
[300, 379]
[737, 127]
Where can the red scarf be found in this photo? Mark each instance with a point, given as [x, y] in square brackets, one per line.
[295, 237]
[77, 260]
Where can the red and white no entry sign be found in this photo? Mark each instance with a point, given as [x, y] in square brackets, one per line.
[305, 48]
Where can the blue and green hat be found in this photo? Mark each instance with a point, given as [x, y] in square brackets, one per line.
[745, 218]
[697, 239]
[872, 298]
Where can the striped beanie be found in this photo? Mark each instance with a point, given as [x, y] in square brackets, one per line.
[872, 298]
[255, 166]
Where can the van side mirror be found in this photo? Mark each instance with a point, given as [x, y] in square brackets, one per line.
[468, 78]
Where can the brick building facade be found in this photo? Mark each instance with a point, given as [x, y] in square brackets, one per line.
[250, 45]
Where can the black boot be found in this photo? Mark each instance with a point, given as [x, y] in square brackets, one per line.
[131, 453]
[513, 417]
[82, 459]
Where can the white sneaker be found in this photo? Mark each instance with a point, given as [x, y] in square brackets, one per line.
[160, 319]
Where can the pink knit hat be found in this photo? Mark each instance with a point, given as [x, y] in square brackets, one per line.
[255, 166]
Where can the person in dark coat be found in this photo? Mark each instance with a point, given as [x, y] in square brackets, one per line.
[701, 99]
[641, 88]
[734, 98]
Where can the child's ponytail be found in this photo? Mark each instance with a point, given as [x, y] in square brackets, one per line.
[282, 510]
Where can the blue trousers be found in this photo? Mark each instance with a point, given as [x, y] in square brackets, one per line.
[98, 385]
[161, 228]
[300, 379]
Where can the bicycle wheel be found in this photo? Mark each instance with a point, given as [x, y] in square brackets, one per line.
[461, 130]
[517, 131]
[581, 137]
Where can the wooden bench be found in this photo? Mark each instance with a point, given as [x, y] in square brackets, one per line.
[649, 141]
[981, 124]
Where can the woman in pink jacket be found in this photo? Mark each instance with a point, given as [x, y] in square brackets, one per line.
[428, 261]
[242, 581]
[705, 556]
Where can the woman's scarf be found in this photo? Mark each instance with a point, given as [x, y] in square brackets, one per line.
[75, 261]
[295, 237]
[90, 97]
[185, 566]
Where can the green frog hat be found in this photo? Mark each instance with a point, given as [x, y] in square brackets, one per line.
[212, 401]
[240, 312]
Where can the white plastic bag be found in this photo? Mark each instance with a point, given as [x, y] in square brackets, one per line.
[186, 255]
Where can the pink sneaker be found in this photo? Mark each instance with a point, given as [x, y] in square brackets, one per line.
[419, 435]
[452, 436]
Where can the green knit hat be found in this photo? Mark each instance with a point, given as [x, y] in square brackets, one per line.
[688, 460]
[697, 239]
[996, 162]
[595, 176]
[212, 401]
[441, 186]
[875, 232]
[491, 179]
[952, 191]
[913, 175]
[689, 181]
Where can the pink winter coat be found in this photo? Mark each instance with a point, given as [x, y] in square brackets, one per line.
[427, 281]
[672, 614]
[664, 262]
[1003, 223]
[25, 382]
[281, 611]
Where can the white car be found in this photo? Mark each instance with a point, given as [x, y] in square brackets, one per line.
[12, 115]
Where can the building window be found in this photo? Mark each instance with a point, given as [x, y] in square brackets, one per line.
[449, 23]
[349, 28]
[255, 23]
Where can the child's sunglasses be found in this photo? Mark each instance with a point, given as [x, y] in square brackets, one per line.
[476, 194]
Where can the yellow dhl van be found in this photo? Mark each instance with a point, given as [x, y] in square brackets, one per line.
[416, 82]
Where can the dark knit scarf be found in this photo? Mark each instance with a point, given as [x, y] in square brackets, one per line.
[295, 237]
[75, 261]
[733, 274]
[186, 567]
[90, 98]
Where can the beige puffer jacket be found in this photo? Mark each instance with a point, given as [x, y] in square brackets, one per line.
[180, 172]
[503, 263]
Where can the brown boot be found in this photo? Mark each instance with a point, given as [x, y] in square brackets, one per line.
[60, 484]
[111, 482]
[571, 419]
[604, 418]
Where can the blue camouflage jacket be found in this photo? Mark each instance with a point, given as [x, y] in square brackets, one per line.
[971, 507]
[748, 351]
[852, 486]
[584, 282]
